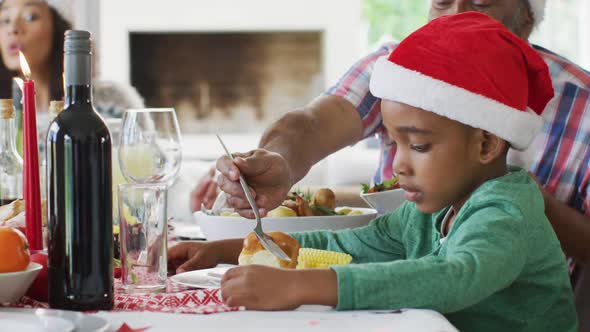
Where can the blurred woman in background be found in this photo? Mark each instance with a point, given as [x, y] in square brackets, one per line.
[36, 28]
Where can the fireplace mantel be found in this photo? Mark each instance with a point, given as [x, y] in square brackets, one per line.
[338, 20]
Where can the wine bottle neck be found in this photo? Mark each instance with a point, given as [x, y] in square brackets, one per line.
[7, 136]
[78, 78]
[78, 68]
[78, 94]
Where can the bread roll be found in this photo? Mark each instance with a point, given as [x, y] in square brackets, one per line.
[13, 214]
[11, 210]
[254, 253]
[18, 221]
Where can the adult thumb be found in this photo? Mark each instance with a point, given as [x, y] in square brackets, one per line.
[253, 165]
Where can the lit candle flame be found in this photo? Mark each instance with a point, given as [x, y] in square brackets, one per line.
[24, 66]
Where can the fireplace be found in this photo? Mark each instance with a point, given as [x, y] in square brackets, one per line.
[228, 65]
[239, 81]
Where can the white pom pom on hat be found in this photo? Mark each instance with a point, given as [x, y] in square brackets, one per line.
[63, 8]
[538, 10]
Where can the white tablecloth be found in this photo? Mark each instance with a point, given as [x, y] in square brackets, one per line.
[307, 318]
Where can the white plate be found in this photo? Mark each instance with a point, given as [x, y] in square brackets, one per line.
[219, 227]
[75, 321]
[26, 323]
[207, 278]
[190, 232]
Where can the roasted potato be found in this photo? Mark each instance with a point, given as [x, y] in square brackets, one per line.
[325, 197]
[281, 212]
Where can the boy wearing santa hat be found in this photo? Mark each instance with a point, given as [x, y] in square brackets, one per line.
[473, 241]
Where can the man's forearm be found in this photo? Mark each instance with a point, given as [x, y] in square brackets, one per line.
[306, 136]
[572, 228]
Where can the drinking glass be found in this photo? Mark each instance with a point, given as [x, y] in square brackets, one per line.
[143, 236]
[149, 146]
[149, 158]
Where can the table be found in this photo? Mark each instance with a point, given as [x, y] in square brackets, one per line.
[184, 309]
[306, 318]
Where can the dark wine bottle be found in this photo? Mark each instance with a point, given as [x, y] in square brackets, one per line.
[79, 192]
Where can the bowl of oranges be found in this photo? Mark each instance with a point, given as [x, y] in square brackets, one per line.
[17, 272]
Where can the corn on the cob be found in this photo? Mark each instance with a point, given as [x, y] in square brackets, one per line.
[316, 258]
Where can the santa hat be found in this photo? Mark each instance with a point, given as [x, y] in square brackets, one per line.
[64, 8]
[538, 10]
[469, 68]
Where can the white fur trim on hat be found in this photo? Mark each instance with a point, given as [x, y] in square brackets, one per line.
[538, 9]
[393, 82]
[63, 7]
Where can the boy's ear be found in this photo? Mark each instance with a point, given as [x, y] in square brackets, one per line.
[491, 147]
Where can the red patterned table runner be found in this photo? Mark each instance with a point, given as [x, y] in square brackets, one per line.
[176, 299]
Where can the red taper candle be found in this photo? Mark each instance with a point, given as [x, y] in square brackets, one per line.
[32, 189]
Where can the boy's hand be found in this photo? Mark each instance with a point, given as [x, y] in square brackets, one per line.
[258, 287]
[189, 256]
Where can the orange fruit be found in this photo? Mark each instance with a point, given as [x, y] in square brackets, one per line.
[14, 250]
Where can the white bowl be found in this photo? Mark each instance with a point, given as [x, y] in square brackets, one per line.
[220, 227]
[14, 285]
[385, 201]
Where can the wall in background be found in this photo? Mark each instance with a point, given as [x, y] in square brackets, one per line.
[565, 30]
[339, 20]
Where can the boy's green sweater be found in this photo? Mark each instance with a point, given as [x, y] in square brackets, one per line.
[500, 268]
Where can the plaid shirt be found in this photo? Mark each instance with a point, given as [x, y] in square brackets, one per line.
[558, 156]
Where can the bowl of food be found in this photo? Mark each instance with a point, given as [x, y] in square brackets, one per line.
[17, 272]
[384, 197]
[13, 285]
[298, 213]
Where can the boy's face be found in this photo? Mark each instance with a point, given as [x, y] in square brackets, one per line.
[436, 158]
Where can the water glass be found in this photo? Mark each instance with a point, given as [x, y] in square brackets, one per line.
[143, 237]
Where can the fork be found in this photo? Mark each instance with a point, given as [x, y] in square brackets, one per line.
[264, 239]
[219, 203]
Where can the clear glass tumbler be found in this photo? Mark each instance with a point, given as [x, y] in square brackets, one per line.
[143, 237]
